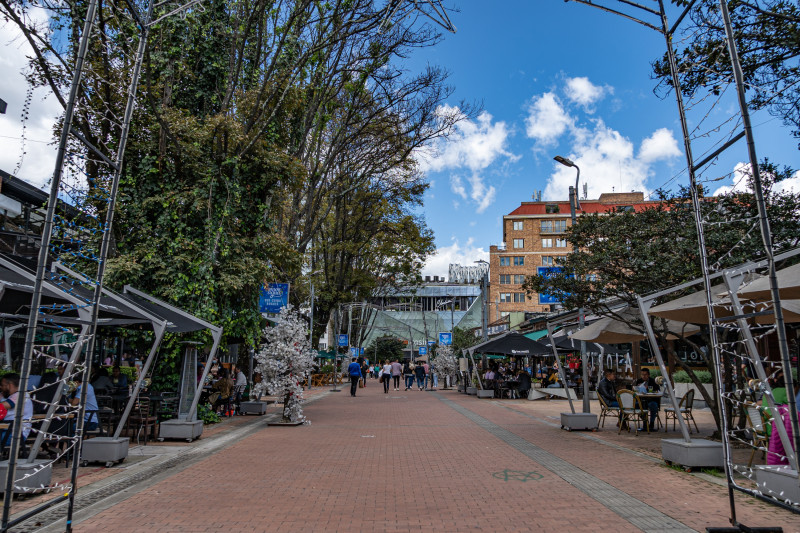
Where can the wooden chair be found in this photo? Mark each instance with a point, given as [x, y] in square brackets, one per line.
[605, 411]
[142, 417]
[631, 411]
[685, 410]
[758, 432]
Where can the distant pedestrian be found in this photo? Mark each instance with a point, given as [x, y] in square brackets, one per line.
[397, 371]
[419, 371]
[408, 374]
[386, 376]
[355, 376]
[427, 368]
[364, 373]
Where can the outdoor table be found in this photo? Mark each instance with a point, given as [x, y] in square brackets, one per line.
[648, 397]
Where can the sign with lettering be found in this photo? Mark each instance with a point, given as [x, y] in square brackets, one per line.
[273, 297]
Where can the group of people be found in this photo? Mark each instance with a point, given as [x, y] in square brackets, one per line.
[390, 372]
[226, 388]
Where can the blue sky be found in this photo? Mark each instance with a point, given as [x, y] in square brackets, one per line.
[560, 78]
[553, 77]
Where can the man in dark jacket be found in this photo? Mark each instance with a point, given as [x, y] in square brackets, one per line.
[354, 370]
[608, 390]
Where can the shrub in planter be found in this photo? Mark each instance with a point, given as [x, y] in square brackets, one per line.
[682, 377]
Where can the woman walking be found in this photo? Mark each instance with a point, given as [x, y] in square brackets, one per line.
[386, 376]
[420, 373]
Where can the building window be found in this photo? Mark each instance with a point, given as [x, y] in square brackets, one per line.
[519, 261]
[561, 243]
[517, 225]
[505, 261]
[547, 226]
[519, 243]
[505, 296]
[547, 243]
[519, 279]
[504, 314]
[505, 279]
[622, 208]
[547, 260]
[551, 208]
[560, 259]
[559, 226]
[519, 297]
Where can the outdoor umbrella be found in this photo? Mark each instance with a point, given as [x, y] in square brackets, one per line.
[788, 285]
[613, 331]
[692, 307]
[791, 312]
[511, 343]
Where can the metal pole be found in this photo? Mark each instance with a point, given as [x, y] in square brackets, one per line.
[573, 208]
[766, 235]
[485, 310]
[311, 329]
[47, 230]
[701, 241]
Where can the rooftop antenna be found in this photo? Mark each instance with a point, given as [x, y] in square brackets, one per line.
[585, 190]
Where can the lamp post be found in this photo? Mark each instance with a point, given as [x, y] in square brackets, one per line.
[574, 205]
[485, 301]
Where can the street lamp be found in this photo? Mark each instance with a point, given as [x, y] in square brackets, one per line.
[574, 205]
[484, 300]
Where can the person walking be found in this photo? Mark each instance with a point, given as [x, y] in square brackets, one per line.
[364, 373]
[408, 374]
[397, 371]
[420, 373]
[386, 376]
[427, 368]
[354, 370]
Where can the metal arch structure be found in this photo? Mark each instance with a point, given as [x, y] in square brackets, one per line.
[432, 9]
[144, 19]
[637, 12]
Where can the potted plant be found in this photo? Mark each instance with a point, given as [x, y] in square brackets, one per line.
[473, 390]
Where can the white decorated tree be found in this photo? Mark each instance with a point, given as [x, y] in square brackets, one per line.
[445, 363]
[284, 361]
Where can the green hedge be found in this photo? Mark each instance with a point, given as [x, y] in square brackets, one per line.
[682, 377]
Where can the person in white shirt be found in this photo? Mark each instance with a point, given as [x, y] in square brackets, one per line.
[9, 387]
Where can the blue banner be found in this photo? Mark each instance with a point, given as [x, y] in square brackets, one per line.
[547, 272]
[273, 297]
[446, 339]
[423, 350]
[344, 340]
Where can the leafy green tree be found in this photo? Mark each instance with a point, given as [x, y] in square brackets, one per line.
[622, 254]
[766, 33]
[385, 349]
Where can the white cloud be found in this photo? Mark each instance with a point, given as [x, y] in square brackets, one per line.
[481, 194]
[457, 186]
[608, 161]
[547, 119]
[740, 182]
[789, 185]
[439, 263]
[583, 92]
[474, 145]
[660, 145]
[39, 157]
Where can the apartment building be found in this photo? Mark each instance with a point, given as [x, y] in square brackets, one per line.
[534, 237]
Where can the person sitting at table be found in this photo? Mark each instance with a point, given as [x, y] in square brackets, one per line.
[101, 382]
[9, 387]
[224, 385]
[91, 421]
[648, 384]
[607, 389]
[489, 375]
[119, 380]
[552, 379]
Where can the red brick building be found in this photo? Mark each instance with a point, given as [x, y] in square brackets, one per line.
[533, 237]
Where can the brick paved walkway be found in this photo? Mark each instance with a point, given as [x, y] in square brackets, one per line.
[419, 461]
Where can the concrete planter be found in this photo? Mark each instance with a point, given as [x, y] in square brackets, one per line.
[180, 429]
[682, 388]
[472, 391]
[697, 453]
[573, 421]
[485, 393]
[253, 408]
[104, 450]
[39, 474]
[779, 481]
